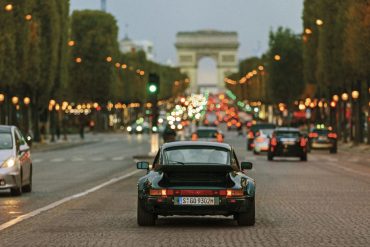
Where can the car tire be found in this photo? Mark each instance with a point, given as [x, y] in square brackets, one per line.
[304, 157]
[144, 218]
[270, 157]
[28, 188]
[248, 218]
[17, 191]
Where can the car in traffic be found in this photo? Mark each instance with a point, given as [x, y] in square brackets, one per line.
[251, 132]
[287, 142]
[196, 178]
[15, 161]
[233, 123]
[211, 134]
[322, 138]
[262, 141]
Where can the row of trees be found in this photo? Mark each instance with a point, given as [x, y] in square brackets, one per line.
[46, 54]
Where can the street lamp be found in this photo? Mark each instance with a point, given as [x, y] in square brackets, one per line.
[71, 43]
[345, 96]
[277, 57]
[308, 31]
[78, 60]
[28, 17]
[2, 98]
[15, 100]
[26, 101]
[319, 22]
[8, 7]
[355, 94]
[335, 98]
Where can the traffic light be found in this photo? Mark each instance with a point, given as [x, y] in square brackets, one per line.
[153, 84]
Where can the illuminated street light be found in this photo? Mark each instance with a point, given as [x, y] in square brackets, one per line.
[15, 100]
[78, 60]
[319, 22]
[52, 102]
[2, 97]
[308, 31]
[277, 57]
[345, 96]
[261, 68]
[26, 100]
[28, 17]
[124, 66]
[8, 7]
[109, 59]
[355, 94]
[335, 98]
[118, 65]
[71, 43]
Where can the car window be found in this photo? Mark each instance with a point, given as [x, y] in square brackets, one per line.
[20, 137]
[192, 156]
[207, 133]
[235, 162]
[6, 140]
[287, 134]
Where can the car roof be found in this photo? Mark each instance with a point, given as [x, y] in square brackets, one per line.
[289, 129]
[196, 144]
[6, 128]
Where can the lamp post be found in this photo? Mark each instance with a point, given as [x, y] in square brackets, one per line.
[2, 115]
[26, 118]
[14, 119]
[357, 112]
[344, 98]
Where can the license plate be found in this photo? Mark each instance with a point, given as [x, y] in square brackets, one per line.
[288, 143]
[196, 201]
[323, 138]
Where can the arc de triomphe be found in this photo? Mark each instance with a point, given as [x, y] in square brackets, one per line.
[221, 46]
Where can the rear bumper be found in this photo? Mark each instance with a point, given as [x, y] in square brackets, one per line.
[289, 151]
[325, 145]
[227, 206]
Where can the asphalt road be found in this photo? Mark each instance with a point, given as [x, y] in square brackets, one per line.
[322, 202]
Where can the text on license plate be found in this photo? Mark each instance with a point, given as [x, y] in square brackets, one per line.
[196, 201]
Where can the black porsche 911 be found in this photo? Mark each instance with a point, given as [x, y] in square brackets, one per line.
[196, 178]
[287, 142]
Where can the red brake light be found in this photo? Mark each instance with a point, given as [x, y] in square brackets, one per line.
[232, 193]
[303, 142]
[161, 192]
[250, 135]
[273, 141]
[259, 139]
[313, 135]
[194, 137]
[332, 135]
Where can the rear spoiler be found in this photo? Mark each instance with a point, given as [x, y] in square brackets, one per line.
[195, 168]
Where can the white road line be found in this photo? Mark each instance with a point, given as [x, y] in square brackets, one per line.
[118, 158]
[64, 200]
[58, 160]
[77, 159]
[37, 160]
[97, 159]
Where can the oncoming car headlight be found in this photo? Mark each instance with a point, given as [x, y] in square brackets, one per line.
[8, 163]
[129, 128]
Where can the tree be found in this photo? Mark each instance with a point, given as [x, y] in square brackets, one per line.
[285, 66]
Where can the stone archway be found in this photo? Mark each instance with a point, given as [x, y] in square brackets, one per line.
[221, 46]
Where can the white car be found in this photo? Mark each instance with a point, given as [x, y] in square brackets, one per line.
[261, 141]
[15, 161]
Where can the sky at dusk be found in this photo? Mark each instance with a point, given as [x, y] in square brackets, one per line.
[160, 20]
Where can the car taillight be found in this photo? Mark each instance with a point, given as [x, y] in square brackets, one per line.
[273, 141]
[332, 135]
[206, 122]
[313, 135]
[238, 124]
[229, 124]
[220, 138]
[233, 193]
[250, 135]
[161, 192]
[303, 142]
[194, 137]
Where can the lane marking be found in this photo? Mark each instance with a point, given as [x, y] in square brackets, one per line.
[77, 159]
[37, 160]
[64, 200]
[58, 160]
[118, 158]
[97, 159]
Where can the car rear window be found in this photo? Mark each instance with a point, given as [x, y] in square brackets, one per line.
[6, 140]
[287, 134]
[206, 133]
[321, 131]
[196, 155]
[257, 127]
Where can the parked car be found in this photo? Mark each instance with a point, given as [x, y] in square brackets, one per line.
[323, 138]
[15, 161]
[211, 134]
[262, 140]
[287, 142]
[195, 178]
[251, 133]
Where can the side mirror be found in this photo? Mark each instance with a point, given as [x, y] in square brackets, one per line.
[143, 165]
[29, 140]
[246, 165]
[24, 148]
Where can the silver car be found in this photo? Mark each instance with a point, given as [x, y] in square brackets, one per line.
[262, 140]
[15, 161]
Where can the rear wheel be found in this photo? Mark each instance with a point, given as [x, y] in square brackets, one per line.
[247, 218]
[144, 218]
[304, 157]
[270, 157]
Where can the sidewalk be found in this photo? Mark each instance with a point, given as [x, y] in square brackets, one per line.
[72, 141]
[352, 148]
